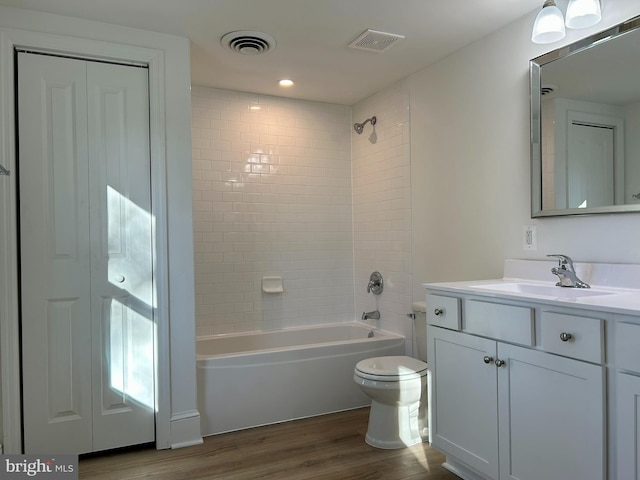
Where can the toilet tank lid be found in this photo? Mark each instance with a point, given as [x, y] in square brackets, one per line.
[419, 307]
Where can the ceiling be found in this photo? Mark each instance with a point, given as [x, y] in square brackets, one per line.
[311, 35]
[607, 73]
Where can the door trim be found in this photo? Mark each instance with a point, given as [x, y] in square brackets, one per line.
[10, 40]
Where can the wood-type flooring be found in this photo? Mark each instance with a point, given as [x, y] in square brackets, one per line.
[324, 448]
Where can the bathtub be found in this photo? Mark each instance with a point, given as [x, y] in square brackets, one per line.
[252, 379]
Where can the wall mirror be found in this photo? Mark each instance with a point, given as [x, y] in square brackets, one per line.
[585, 125]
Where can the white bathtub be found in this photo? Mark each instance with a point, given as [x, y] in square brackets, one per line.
[258, 378]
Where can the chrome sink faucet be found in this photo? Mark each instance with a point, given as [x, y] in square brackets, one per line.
[567, 273]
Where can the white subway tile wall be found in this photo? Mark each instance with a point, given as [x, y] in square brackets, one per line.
[272, 196]
[382, 207]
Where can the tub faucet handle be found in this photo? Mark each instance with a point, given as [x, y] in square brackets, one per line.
[375, 284]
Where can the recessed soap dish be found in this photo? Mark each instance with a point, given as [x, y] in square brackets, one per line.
[272, 285]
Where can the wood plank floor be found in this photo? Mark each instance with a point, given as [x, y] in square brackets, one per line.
[327, 447]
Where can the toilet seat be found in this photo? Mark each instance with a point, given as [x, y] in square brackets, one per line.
[391, 369]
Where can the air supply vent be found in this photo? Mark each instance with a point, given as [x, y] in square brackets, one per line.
[547, 89]
[375, 41]
[248, 42]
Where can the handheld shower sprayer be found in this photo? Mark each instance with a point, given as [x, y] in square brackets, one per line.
[358, 127]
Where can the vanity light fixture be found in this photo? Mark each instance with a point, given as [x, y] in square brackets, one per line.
[549, 25]
[583, 13]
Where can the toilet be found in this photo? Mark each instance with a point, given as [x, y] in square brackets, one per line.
[397, 387]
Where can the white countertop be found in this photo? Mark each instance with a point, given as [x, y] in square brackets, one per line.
[615, 288]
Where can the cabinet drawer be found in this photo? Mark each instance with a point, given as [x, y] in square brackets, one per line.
[443, 311]
[628, 346]
[502, 322]
[573, 336]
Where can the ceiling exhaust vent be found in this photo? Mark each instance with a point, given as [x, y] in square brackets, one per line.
[248, 42]
[547, 89]
[375, 41]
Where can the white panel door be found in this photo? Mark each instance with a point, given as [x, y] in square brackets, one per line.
[86, 264]
[121, 261]
[55, 257]
[590, 170]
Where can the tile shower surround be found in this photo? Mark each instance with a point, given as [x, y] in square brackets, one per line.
[273, 195]
[382, 206]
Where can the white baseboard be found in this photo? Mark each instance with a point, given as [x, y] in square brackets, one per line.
[185, 429]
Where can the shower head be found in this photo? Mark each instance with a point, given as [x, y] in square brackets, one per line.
[358, 127]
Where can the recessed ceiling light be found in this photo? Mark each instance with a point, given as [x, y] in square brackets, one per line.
[286, 82]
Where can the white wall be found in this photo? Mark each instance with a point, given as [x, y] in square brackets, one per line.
[272, 197]
[470, 164]
[382, 207]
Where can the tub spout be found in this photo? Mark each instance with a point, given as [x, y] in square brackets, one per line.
[375, 315]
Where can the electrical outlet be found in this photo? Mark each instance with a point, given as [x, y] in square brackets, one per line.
[530, 237]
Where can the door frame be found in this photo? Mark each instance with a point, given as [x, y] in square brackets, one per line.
[568, 112]
[10, 374]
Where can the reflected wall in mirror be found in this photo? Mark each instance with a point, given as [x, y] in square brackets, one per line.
[585, 125]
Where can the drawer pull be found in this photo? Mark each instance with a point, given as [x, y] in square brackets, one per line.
[500, 363]
[438, 311]
[565, 337]
[487, 359]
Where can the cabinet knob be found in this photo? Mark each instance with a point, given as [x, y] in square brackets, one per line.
[500, 363]
[120, 278]
[565, 337]
[438, 311]
[487, 359]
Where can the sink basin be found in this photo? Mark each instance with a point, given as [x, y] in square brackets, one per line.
[544, 290]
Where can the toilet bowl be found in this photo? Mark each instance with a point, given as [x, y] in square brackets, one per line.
[397, 386]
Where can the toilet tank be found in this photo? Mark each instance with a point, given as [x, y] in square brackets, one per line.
[420, 330]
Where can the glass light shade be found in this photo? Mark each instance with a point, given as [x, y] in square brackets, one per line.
[549, 24]
[583, 13]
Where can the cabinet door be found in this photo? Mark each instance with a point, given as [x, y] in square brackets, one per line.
[464, 421]
[551, 416]
[628, 426]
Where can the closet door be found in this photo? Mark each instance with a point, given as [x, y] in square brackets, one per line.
[55, 255]
[87, 318]
[121, 261]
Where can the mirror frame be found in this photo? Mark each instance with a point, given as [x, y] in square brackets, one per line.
[535, 67]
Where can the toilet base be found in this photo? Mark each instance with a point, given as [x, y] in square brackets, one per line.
[396, 426]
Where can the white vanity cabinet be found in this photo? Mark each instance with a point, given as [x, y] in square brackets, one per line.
[517, 390]
[628, 397]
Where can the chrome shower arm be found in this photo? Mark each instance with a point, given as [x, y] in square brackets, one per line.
[358, 127]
